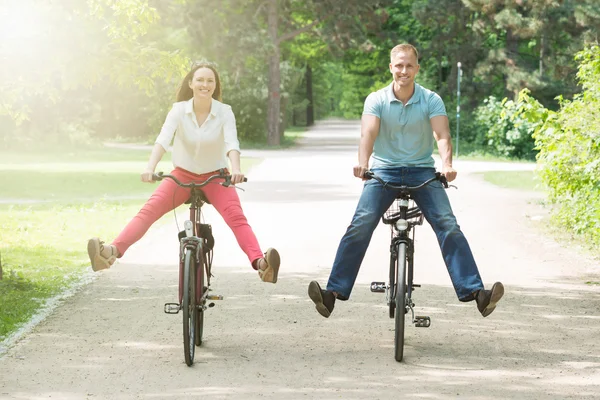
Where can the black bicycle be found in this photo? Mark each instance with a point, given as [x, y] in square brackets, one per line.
[196, 244]
[402, 216]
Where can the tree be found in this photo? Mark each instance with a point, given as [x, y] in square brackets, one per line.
[532, 42]
[54, 53]
[266, 25]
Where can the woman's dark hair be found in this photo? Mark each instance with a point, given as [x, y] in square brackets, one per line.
[185, 92]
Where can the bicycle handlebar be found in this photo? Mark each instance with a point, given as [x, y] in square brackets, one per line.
[438, 177]
[159, 176]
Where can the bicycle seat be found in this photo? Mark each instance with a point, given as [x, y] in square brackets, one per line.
[201, 196]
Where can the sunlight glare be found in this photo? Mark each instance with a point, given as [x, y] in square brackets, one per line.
[21, 22]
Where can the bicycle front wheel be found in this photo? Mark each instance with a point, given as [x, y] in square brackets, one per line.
[189, 306]
[392, 285]
[400, 297]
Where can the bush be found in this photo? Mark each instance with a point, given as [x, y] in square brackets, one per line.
[569, 149]
[503, 130]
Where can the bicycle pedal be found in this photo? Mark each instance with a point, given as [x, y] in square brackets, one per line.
[415, 285]
[422, 322]
[378, 287]
[214, 297]
[172, 308]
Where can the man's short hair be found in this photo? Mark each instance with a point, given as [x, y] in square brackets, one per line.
[404, 47]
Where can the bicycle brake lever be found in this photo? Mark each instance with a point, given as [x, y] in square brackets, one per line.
[442, 179]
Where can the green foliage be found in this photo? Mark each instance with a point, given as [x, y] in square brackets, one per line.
[67, 65]
[504, 130]
[569, 149]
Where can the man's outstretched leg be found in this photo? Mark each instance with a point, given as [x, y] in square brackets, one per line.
[433, 201]
[373, 202]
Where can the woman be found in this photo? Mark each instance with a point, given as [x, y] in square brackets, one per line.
[206, 137]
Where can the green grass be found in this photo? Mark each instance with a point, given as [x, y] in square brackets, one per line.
[44, 251]
[58, 201]
[521, 180]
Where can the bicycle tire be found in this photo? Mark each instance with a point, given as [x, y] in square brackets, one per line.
[189, 306]
[201, 285]
[400, 303]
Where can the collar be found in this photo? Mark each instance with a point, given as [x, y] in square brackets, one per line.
[416, 97]
[189, 107]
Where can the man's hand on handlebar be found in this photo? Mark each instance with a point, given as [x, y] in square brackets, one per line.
[359, 171]
[449, 173]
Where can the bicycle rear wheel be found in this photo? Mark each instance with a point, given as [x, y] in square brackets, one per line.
[202, 286]
[189, 306]
[400, 302]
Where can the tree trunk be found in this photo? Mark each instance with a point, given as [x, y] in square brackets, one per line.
[310, 110]
[512, 54]
[283, 119]
[274, 79]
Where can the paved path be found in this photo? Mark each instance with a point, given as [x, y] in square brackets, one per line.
[111, 340]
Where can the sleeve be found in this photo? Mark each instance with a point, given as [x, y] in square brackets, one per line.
[165, 137]
[230, 131]
[372, 105]
[436, 106]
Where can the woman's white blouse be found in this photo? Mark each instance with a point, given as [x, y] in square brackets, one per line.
[199, 149]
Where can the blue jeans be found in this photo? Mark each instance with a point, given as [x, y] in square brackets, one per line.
[433, 202]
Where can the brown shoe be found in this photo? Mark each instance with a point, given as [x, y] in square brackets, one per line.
[101, 257]
[269, 274]
[487, 299]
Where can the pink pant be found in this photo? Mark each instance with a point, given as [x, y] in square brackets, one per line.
[168, 195]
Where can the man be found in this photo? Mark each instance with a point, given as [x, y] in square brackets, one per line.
[399, 124]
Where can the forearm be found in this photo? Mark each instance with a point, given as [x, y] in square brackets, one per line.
[365, 149]
[157, 152]
[445, 150]
[234, 158]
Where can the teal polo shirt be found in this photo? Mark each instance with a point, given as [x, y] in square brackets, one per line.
[405, 135]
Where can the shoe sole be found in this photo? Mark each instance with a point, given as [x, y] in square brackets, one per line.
[497, 293]
[273, 261]
[314, 292]
[93, 248]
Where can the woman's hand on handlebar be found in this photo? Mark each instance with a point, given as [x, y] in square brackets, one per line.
[146, 176]
[237, 177]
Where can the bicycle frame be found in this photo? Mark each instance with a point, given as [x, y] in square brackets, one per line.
[401, 224]
[400, 288]
[197, 237]
[195, 261]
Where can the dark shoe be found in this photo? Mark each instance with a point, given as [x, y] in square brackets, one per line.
[487, 299]
[323, 299]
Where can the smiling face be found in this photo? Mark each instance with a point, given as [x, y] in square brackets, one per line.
[404, 67]
[203, 83]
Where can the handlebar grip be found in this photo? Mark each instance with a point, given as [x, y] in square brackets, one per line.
[227, 181]
[158, 176]
[442, 179]
[368, 174]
